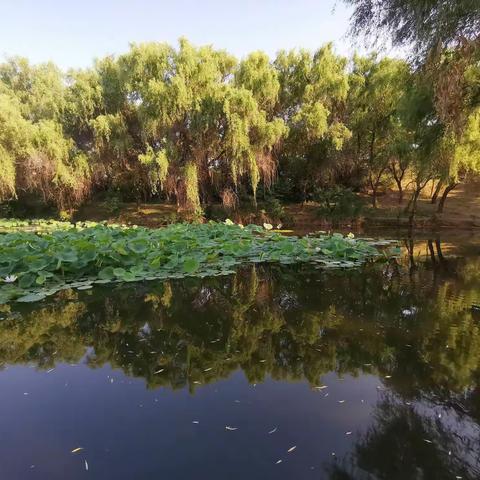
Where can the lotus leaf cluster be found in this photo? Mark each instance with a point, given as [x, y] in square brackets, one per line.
[33, 265]
[42, 225]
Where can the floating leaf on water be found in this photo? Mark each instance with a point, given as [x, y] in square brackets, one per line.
[78, 449]
[291, 449]
[31, 297]
[272, 431]
[96, 253]
[231, 429]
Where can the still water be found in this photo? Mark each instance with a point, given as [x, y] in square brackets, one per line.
[275, 372]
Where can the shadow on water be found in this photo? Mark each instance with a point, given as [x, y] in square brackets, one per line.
[398, 342]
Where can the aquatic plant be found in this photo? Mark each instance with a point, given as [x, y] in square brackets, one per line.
[42, 264]
[40, 225]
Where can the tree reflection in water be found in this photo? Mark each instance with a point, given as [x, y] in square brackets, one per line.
[409, 321]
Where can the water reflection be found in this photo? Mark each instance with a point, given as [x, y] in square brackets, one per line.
[408, 321]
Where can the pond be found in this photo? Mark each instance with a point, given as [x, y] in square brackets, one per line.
[274, 372]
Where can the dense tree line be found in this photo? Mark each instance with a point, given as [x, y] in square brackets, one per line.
[194, 125]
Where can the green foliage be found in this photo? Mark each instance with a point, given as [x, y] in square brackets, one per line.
[191, 187]
[425, 24]
[376, 97]
[8, 225]
[275, 209]
[156, 164]
[338, 204]
[34, 266]
[35, 155]
[313, 89]
[467, 152]
[253, 321]
[195, 126]
[257, 74]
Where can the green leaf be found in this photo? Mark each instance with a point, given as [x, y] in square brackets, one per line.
[31, 297]
[190, 265]
[106, 273]
[40, 280]
[138, 246]
[26, 280]
[119, 272]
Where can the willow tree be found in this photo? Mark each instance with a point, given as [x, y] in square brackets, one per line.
[424, 136]
[35, 155]
[377, 88]
[39, 88]
[444, 37]
[459, 156]
[313, 89]
[180, 117]
[425, 25]
[257, 74]
[456, 81]
[15, 134]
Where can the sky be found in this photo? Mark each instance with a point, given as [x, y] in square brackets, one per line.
[74, 32]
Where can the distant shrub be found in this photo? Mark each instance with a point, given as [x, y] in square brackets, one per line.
[338, 204]
[113, 202]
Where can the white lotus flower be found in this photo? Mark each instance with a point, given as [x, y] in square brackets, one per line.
[350, 235]
[10, 278]
[267, 226]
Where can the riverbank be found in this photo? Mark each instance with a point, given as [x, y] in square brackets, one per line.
[462, 211]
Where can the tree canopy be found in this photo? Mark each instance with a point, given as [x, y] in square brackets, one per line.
[422, 24]
[195, 126]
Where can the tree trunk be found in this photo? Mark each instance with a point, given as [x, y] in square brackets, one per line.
[374, 197]
[438, 245]
[409, 204]
[445, 193]
[436, 192]
[413, 210]
[400, 193]
[398, 180]
[432, 251]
